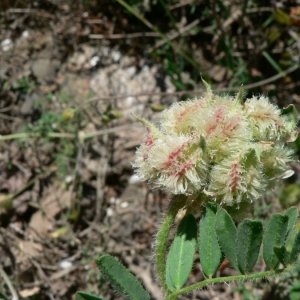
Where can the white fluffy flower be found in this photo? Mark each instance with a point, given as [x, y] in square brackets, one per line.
[229, 150]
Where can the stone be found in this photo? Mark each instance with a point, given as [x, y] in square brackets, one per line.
[44, 69]
[29, 105]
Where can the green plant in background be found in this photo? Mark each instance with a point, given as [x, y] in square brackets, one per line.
[25, 85]
[216, 156]
[3, 296]
[64, 127]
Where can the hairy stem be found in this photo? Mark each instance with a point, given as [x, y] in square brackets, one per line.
[162, 238]
[227, 279]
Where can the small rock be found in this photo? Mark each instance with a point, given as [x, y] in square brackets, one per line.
[29, 104]
[3, 72]
[65, 264]
[25, 34]
[133, 179]
[6, 45]
[44, 69]
[116, 55]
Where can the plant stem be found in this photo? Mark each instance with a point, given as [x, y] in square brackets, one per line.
[163, 36]
[206, 282]
[9, 285]
[162, 238]
[23, 135]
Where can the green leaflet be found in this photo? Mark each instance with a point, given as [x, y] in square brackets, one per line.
[86, 296]
[181, 255]
[226, 233]
[248, 241]
[3, 296]
[292, 213]
[209, 249]
[296, 249]
[121, 279]
[275, 235]
[282, 254]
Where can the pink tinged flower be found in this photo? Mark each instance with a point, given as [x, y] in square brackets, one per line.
[182, 179]
[235, 180]
[231, 135]
[150, 138]
[178, 164]
[231, 126]
[226, 181]
[265, 120]
[142, 166]
[235, 177]
[182, 116]
[174, 155]
[255, 183]
[215, 121]
[220, 146]
[275, 163]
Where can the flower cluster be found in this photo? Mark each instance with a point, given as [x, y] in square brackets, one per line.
[221, 146]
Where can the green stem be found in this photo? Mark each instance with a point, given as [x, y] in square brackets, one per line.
[206, 282]
[9, 285]
[162, 238]
[23, 135]
[163, 36]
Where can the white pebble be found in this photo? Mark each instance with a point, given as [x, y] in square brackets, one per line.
[109, 212]
[6, 45]
[133, 179]
[65, 264]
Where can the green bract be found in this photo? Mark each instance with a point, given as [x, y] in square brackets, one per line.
[217, 145]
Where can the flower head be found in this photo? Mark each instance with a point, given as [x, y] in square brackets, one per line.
[229, 150]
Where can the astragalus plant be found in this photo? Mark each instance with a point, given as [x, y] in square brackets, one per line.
[215, 156]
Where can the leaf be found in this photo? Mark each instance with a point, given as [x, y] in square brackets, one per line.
[226, 233]
[248, 241]
[275, 235]
[181, 255]
[240, 95]
[282, 254]
[121, 279]
[169, 281]
[294, 294]
[291, 109]
[292, 214]
[115, 114]
[3, 296]
[290, 193]
[157, 107]
[209, 249]
[86, 296]
[296, 249]
[282, 17]
[274, 34]
[59, 232]
[272, 62]
[208, 87]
